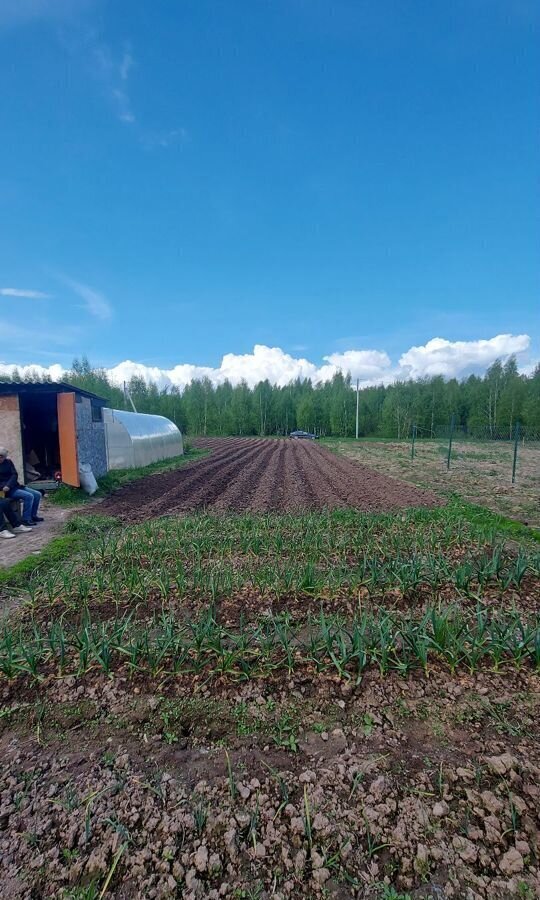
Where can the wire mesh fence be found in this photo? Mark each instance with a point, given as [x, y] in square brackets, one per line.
[477, 466]
[512, 451]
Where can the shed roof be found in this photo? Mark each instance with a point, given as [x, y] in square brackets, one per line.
[44, 387]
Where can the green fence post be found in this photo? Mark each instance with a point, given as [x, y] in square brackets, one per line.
[452, 424]
[413, 441]
[516, 442]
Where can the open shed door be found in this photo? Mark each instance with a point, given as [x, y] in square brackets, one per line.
[67, 436]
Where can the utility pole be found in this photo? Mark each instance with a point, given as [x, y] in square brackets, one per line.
[127, 396]
[516, 442]
[357, 404]
[452, 426]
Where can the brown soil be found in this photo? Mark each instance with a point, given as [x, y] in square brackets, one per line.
[308, 787]
[263, 475]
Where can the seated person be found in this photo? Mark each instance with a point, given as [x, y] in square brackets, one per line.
[7, 512]
[30, 471]
[9, 484]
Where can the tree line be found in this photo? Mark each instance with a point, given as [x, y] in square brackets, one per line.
[482, 406]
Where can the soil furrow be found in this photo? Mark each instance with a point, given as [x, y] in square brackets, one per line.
[263, 474]
[239, 493]
[339, 488]
[311, 496]
[271, 491]
[209, 484]
[164, 489]
[372, 492]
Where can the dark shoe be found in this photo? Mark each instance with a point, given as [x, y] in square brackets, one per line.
[36, 519]
[28, 522]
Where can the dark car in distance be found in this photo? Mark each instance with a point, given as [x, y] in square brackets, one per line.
[306, 435]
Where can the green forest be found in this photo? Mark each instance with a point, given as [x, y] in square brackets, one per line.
[486, 406]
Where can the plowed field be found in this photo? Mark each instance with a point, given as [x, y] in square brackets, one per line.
[264, 475]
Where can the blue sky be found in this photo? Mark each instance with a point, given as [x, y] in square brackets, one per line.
[187, 180]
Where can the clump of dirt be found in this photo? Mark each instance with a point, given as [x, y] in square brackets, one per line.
[312, 788]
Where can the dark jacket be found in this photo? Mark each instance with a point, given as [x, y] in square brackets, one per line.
[8, 476]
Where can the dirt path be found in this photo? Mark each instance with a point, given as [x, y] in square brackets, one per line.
[24, 545]
[262, 475]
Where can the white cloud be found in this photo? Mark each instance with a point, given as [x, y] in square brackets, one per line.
[22, 292]
[529, 367]
[172, 137]
[38, 337]
[270, 363]
[126, 63]
[372, 367]
[113, 72]
[112, 68]
[126, 370]
[366, 365]
[454, 358]
[109, 66]
[95, 302]
[55, 372]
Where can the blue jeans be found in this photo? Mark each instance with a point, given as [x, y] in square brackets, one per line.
[31, 500]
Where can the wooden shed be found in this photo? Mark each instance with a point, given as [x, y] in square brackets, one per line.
[50, 429]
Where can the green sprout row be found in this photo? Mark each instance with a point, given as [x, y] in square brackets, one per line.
[391, 642]
[322, 555]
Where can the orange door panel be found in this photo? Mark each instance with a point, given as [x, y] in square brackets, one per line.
[67, 434]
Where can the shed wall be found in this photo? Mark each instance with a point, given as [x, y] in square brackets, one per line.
[10, 431]
[90, 438]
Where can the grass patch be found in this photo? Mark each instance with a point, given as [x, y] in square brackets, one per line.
[59, 550]
[71, 496]
[196, 719]
[502, 525]
[480, 472]
[513, 717]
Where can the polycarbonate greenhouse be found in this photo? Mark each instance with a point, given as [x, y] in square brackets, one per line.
[137, 439]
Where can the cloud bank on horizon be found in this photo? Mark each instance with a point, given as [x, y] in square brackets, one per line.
[451, 359]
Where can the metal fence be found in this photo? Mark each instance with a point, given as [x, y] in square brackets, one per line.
[510, 441]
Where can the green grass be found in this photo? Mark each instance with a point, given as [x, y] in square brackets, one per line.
[499, 524]
[57, 553]
[70, 496]
[480, 472]
[371, 439]
[58, 550]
